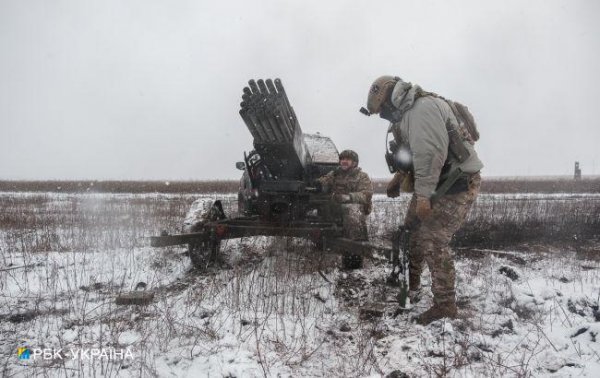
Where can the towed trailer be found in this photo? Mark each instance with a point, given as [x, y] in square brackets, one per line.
[204, 244]
[204, 240]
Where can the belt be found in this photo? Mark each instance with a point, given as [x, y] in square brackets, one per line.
[456, 182]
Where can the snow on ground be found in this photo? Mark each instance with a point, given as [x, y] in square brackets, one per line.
[277, 307]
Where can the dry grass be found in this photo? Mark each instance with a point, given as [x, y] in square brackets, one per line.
[527, 185]
[71, 222]
[506, 221]
[271, 300]
[47, 222]
[113, 186]
[489, 185]
[499, 221]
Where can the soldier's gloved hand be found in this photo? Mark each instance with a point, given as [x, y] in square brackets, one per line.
[393, 187]
[423, 207]
[341, 198]
[318, 187]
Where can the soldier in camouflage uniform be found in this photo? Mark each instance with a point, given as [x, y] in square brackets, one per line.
[418, 121]
[352, 189]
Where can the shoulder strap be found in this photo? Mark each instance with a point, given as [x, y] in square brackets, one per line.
[467, 132]
[424, 93]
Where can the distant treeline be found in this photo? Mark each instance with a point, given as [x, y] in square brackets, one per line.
[490, 185]
[541, 185]
[92, 186]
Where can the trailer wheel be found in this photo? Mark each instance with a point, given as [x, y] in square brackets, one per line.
[204, 253]
[201, 212]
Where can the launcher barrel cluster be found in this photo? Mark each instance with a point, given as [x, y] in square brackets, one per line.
[266, 111]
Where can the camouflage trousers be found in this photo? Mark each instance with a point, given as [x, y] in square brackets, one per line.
[429, 241]
[354, 221]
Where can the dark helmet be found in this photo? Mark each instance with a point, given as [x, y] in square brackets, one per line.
[349, 154]
[380, 91]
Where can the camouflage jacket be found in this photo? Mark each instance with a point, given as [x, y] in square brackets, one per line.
[353, 182]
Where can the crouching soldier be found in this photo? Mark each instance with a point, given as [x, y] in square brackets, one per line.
[352, 189]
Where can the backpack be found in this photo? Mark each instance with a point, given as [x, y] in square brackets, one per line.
[461, 112]
[465, 118]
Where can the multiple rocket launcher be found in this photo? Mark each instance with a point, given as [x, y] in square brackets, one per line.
[266, 111]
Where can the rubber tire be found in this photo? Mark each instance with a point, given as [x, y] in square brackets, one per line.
[203, 253]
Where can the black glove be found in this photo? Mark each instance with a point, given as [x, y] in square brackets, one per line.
[318, 187]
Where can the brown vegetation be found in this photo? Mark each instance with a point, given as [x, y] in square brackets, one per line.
[38, 222]
[489, 185]
[505, 221]
[526, 185]
[114, 186]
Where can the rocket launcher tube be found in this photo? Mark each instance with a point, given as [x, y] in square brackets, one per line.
[264, 138]
[262, 87]
[248, 122]
[271, 86]
[253, 87]
[281, 131]
[271, 128]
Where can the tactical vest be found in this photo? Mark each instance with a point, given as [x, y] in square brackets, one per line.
[465, 132]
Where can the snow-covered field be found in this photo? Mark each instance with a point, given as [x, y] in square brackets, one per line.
[275, 307]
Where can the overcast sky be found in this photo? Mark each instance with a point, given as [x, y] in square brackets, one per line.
[151, 89]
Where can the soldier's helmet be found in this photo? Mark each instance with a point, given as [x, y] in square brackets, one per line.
[380, 91]
[349, 154]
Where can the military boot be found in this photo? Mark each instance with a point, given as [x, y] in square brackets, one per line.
[436, 312]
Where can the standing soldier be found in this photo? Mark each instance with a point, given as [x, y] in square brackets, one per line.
[352, 189]
[436, 152]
